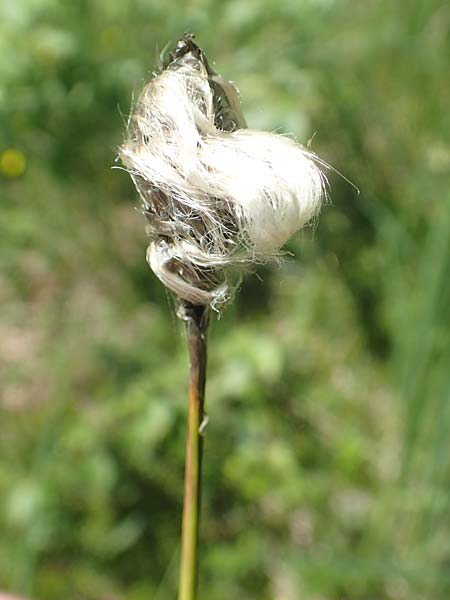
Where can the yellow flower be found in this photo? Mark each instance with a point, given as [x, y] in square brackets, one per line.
[12, 163]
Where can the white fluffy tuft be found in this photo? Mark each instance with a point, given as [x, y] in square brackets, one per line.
[214, 199]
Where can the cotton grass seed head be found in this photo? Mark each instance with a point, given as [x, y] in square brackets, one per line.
[218, 197]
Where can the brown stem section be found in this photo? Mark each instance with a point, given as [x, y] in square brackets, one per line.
[196, 318]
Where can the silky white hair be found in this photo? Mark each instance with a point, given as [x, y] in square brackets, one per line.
[216, 196]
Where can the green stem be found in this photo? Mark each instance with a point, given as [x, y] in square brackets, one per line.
[196, 325]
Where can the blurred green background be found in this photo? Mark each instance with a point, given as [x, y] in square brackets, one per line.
[327, 466]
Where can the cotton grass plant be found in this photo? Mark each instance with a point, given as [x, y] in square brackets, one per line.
[218, 198]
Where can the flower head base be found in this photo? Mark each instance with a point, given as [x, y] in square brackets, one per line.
[216, 195]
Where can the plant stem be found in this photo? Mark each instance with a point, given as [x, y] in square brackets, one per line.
[196, 318]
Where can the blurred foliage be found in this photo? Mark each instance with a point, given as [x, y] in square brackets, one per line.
[327, 454]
